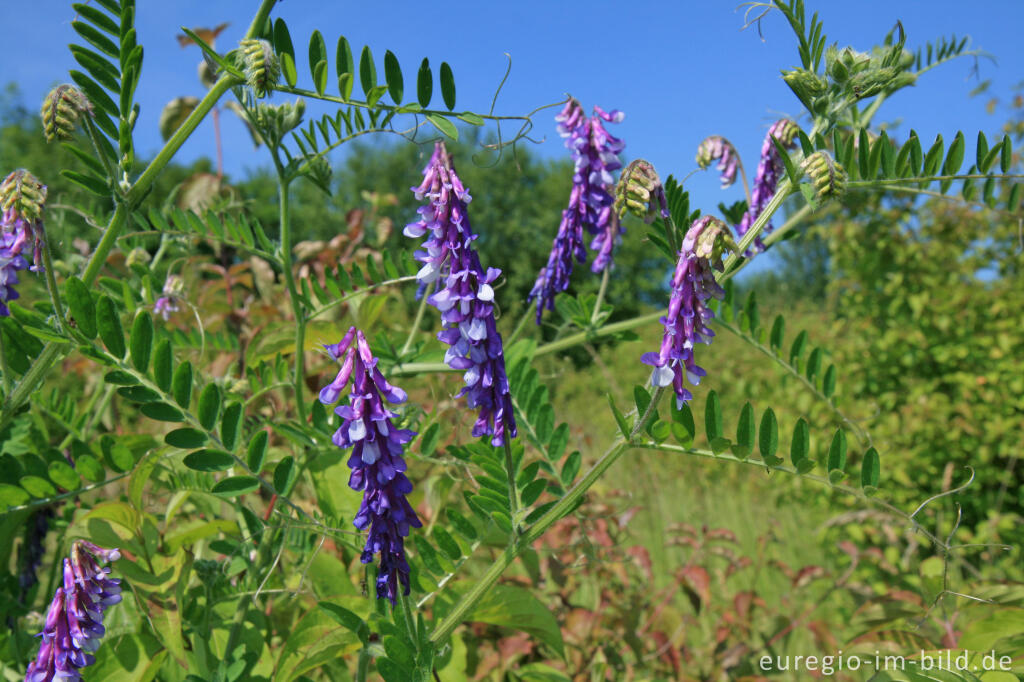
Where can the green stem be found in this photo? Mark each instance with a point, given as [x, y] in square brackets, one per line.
[4, 368]
[417, 321]
[513, 490]
[572, 498]
[363, 665]
[530, 312]
[51, 287]
[600, 296]
[410, 622]
[293, 293]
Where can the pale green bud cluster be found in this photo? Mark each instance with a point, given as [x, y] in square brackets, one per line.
[62, 108]
[22, 194]
[260, 64]
[273, 122]
[805, 84]
[827, 176]
[638, 189]
[709, 237]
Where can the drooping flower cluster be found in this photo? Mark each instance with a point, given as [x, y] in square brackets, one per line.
[74, 621]
[378, 469]
[693, 284]
[21, 204]
[717, 148]
[596, 156]
[767, 179]
[465, 296]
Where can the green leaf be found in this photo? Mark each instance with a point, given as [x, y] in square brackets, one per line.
[181, 384]
[320, 77]
[209, 460]
[141, 340]
[285, 475]
[81, 307]
[746, 433]
[869, 471]
[801, 445]
[89, 467]
[683, 427]
[109, 326]
[797, 349]
[863, 154]
[447, 543]
[713, 416]
[778, 333]
[837, 456]
[447, 86]
[428, 441]
[209, 406]
[317, 54]
[813, 364]
[642, 399]
[619, 419]
[791, 171]
[571, 467]
[256, 453]
[955, 157]
[828, 383]
[471, 118]
[558, 441]
[933, 159]
[37, 486]
[461, 524]
[346, 619]
[532, 492]
[162, 412]
[424, 84]
[283, 39]
[139, 394]
[119, 378]
[233, 486]
[186, 438]
[12, 496]
[393, 76]
[162, 363]
[63, 475]
[230, 424]
[444, 125]
[1005, 155]
[768, 437]
[981, 152]
[367, 70]
[346, 68]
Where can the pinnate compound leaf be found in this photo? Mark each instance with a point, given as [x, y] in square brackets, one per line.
[141, 340]
[109, 326]
[209, 460]
[81, 307]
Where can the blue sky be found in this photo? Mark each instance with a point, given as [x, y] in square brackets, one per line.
[680, 70]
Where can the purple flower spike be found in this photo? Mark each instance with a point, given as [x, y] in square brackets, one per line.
[11, 261]
[465, 296]
[768, 172]
[717, 148]
[596, 156]
[378, 469]
[74, 621]
[686, 322]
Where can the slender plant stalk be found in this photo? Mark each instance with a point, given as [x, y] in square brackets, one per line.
[417, 321]
[600, 295]
[3, 366]
[521, 325]
[513, 491]
[293, 293]
[51, 287]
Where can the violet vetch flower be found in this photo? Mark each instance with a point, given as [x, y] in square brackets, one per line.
[465, 297]
[74, 621]
[168, 302]
[693, 284]
[21, 206]
[11, 261]
[767, 179]
[378, 469]
[717, 148]
[596, 156]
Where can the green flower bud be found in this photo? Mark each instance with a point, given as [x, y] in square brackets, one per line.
[638, 189]
[827, 176]
[62, 108]
[22, 194]
[262, 69]
[807, 85]
[709, 238]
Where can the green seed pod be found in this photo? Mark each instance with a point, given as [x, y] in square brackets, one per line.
[638, 189]
[827, 176]
[23, 194]
[62, 108]
[262, 69]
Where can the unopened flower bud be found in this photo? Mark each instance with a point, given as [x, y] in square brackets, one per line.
[261, 66]
[638, 189]
[62, 108]
[827, 176]
[138, 255]
[718, 148]
[22, 195]
[709, 238]
[805, 84]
